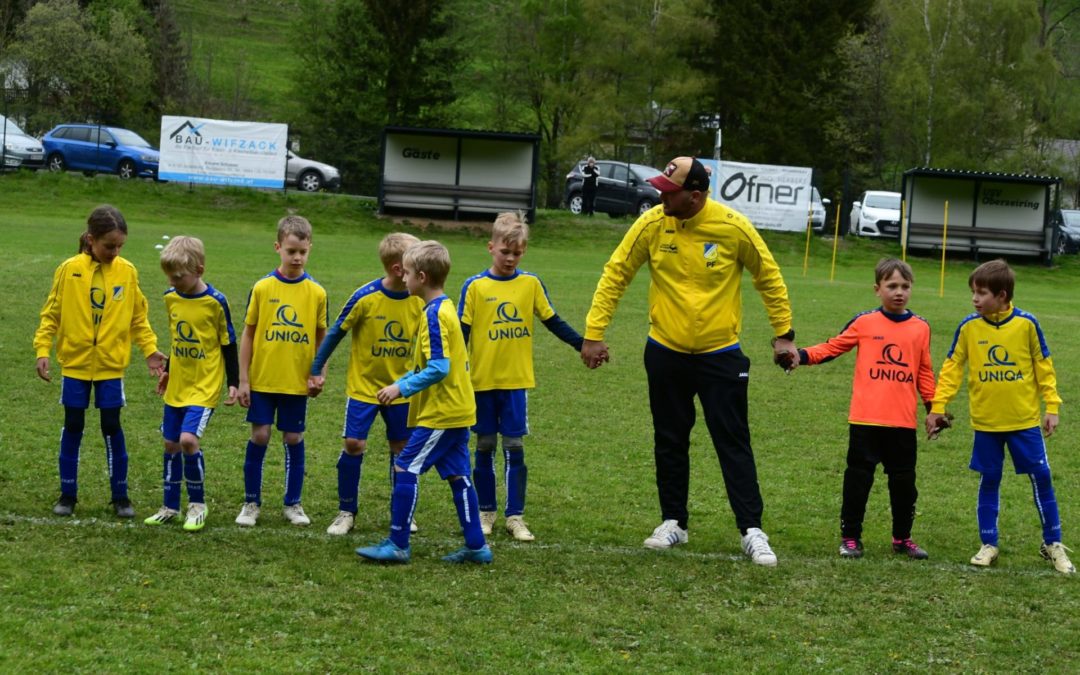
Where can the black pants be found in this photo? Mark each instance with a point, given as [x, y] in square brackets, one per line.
[895, 449]
[588, 199]
[721, 382]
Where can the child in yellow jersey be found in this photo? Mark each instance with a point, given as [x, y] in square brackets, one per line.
[1009, 370]
[383, 317]
[95, 310]
[203, 351]
[285, 323]
[441, 410]
[497, 308]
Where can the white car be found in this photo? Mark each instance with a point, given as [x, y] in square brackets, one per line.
[309, 175]
[817, 212]
[876, 214]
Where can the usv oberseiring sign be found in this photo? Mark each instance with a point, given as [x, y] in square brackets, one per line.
[222, 152]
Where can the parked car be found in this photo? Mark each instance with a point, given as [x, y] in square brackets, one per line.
[92, 148]
[818, 218]
[621, 188]
[1066, 224]
[876, 214]
[21, 150]
[309, 175]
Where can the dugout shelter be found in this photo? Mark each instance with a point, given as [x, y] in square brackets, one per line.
[458, 173]
[989, 214]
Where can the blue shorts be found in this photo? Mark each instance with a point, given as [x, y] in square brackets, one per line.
[291, 410]
[502, 411]
[190, 419]
[1026, 446]
[445, 449]
[107, 393]
[359, 417]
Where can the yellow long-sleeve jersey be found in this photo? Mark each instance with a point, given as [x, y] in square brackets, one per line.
[1009, 369]
[86, 351]
[695, 296]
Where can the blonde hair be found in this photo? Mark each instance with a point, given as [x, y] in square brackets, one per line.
[393, 247]
[511, 228]
[297, 226]
[431, 258]
[183, 254]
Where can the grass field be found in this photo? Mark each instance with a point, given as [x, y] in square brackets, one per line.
[92, 594]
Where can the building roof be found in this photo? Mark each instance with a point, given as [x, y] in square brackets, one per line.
[983, 175]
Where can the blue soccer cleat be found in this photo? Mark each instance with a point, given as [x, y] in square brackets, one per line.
[480, 556]
[386, 551]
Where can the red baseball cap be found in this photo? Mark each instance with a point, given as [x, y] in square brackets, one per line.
[682, 173]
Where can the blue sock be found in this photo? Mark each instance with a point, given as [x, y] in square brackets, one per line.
[294, 472]
[987, 510]
[1046, 503]
[170, 480]
[194, 474]
[117, 459]
[348, 480]
[402, 504]
[517, 475]
[253, 472]
[69, 462]
[484, 480]
[467, 511]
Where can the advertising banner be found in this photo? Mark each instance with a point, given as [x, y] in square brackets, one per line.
[220, 152]
[772, 197]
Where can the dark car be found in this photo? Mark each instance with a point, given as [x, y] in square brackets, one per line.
[1066, 224]
[21, 150]
[621, 188]
[92, 148]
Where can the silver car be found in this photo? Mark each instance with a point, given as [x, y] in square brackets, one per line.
[21, 150]
[309, 175]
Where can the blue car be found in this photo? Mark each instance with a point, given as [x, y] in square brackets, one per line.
[92, 148]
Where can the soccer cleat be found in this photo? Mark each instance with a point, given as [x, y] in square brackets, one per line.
[164, 515]
[342, 524]
[986, 556]
[909, 548]
[850, 548]
[518, 529]
[294, 513]
[755, 545]
[65, 506]
[413, 527]
[480, 556]
[123, 508]
[666, 535]
[1055, 553]
[196, 517]
[249, 515]
[487, 522]
[385, 551]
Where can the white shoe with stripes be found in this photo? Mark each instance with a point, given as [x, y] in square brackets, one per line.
[667, 535]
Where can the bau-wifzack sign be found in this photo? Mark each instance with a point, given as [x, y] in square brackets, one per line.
[221, 152]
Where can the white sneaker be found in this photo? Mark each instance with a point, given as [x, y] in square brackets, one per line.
[667, 535]
[342, 524]
[518, 529]
[1056, 553]
[755, 544]
[487, 521]
[249, 515]
[164, 515]
[413, 527]
[294, 513]
[196, 517]
[986, 556]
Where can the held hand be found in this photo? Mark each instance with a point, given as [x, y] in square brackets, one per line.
[785, 354]
[156, 363]
[387, 395]
[230, 399]
[243, 395]
[594, 353]
[42, 367]
[936, 423]
[162, 384]
[315, 385]
[1050, 423]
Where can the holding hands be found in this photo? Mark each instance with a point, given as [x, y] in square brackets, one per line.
[594, 353]
[388, 394]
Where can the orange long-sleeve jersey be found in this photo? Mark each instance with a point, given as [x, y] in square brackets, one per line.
[892, 366]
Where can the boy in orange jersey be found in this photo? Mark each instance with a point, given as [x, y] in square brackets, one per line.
[892, 370]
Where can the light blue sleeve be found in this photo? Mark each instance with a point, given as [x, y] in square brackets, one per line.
[435, 371]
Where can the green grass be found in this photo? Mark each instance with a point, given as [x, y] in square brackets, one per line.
[91, 594]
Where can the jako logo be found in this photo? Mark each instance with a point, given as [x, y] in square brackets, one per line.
[891, 355]
[738, 183]
[193, 137]
[393, 342]
[286, 318]
[185, 333]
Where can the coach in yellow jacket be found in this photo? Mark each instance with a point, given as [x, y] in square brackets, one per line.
[696, 250]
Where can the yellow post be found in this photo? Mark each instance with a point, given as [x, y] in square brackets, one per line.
[835, 240]
[944, 241]
[903, 232]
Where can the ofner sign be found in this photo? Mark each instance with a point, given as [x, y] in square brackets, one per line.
[219, 152]
[772, 197]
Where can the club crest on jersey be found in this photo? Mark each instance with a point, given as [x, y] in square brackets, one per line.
[508, 325]
[287, 327]
[710, 253]
[186, 344]
[117, 293]
[894, 368]
[999, 366]
[393, 342]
